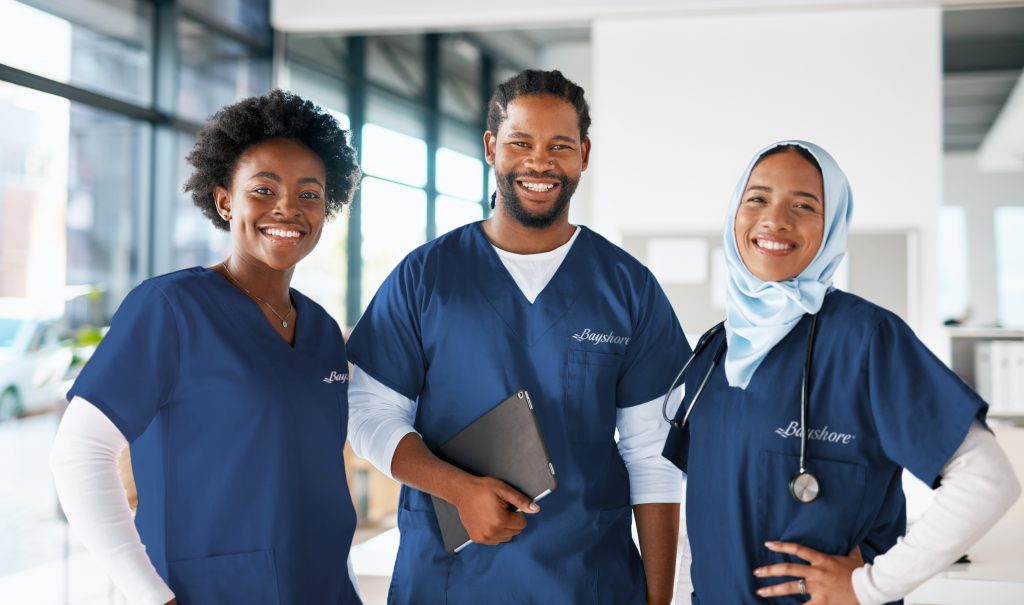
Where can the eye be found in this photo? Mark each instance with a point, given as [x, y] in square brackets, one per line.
[522, 144]
[755, 199]
[263, 190]
[560, 147]
[309, 195]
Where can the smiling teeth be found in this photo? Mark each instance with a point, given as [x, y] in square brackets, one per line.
[538, 187]
[282, 233]
[767, 245]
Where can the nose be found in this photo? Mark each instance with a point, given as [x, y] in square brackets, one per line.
[777, 217]
[540, 159]
[287, 206]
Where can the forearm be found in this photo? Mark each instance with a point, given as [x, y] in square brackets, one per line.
[978, 486]
[84, 466]
[657, 526]
[416, 466]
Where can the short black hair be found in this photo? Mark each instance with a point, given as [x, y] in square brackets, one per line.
[275, 115]
[536, 82]
[791, 148]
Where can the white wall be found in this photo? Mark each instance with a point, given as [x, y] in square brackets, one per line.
[980, 193]
[680, 104]
[573, 59]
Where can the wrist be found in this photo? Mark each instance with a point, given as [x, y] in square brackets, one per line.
[456, 486]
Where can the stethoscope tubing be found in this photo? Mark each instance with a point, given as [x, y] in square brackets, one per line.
[805, 393]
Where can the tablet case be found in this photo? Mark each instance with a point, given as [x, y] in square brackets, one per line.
[504, 443]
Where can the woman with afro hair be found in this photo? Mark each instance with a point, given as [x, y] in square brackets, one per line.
[230, 387]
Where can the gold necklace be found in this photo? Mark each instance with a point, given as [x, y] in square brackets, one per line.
[284, 320]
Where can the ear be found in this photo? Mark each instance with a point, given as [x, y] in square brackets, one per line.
[490, 141]
[586, 152]
[222, 201]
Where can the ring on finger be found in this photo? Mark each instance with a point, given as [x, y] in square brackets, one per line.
[802, 585]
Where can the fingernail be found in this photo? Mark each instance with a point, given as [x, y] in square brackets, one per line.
[758, 572]
[770, 544]
[534, 508]
[761, 592]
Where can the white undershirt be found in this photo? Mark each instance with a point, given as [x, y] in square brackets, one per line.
[379, 417]
[978, 483]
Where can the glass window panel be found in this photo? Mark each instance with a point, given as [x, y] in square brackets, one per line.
[195, 240]
[393, 223]
[458, 137]
[325, 54]
[459, 175]
[396, 63]
[953, 253]
[249, 15]
[215, 71]
[460, 79]
[453, 212]
[73, 179]
[394, 156]
[1009, 268]
[407, 118]
[323, 274]
[325, 91]
[101, 45]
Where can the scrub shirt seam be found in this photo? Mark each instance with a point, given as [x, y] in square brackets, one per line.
[641, 330]
[165, 428]
[177, 339]
[638, 331]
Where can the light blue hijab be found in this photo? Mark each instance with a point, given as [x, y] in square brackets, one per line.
[759, 314]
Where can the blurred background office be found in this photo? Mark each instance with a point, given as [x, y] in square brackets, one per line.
[921, 102]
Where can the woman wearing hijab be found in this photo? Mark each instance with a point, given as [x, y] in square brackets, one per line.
[230, 386]
[809, 404]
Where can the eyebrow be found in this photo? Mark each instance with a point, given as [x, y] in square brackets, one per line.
[275, 177]
[796, 193]
[558, 137]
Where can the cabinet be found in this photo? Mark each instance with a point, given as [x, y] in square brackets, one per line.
[991, 361]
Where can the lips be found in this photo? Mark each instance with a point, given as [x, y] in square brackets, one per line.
[282, 233]
[773, 246]
[538, 190]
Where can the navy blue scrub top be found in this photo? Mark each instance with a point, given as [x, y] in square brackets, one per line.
[880, 402]
[451, 329]
[236, 438]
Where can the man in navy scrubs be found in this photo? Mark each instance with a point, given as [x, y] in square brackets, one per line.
[525, 300]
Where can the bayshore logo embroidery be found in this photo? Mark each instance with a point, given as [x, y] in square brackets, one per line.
[823, 434]
[337, 377]
[594, 338]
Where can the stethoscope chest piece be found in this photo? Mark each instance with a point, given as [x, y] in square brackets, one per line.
[804, 487]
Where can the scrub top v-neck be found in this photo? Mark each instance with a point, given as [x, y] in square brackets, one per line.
[237, 440]
[451, 329]
[879, 402]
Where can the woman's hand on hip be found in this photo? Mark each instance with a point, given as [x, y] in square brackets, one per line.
[827, 579]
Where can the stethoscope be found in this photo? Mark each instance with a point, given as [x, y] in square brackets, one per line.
[804, 486]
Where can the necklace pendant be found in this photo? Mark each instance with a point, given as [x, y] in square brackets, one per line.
[284, 324]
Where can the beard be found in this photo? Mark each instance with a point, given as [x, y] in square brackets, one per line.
[517, 210]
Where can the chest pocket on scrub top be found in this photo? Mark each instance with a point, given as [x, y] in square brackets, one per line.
[591, 381]
[828, 524]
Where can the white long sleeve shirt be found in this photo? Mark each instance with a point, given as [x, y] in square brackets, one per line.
[380, 417]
